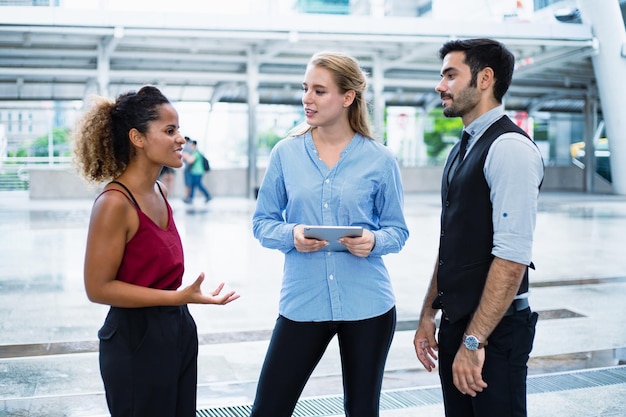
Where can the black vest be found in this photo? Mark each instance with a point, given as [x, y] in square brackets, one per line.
[466, 237]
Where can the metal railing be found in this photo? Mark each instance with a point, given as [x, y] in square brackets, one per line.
[15, 171]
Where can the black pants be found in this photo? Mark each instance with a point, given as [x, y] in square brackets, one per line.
[505, 369]
[297, 347]
[148, 361]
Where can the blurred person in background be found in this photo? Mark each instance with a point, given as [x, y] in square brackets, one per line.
[197, 169]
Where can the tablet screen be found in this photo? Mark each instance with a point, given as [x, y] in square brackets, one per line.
[332, 234]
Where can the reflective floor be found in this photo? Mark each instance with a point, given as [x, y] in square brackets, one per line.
[48, 348]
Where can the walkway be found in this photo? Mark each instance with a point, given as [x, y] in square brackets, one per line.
[48, 348]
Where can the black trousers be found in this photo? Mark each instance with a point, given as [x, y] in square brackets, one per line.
[148, 361]
[296, 348]
[505, 369]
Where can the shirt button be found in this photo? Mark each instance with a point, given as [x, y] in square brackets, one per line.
[325, 205]
[330, 277]
[327, 181]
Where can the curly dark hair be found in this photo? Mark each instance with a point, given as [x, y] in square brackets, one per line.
[102, 146]
[481, 53]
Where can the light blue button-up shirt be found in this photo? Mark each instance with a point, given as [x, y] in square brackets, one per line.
[514, 171]
[363, 188]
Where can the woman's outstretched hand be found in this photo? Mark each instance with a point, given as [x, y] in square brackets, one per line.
[193, 294]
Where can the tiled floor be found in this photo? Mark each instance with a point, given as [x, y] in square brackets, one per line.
[48, 359]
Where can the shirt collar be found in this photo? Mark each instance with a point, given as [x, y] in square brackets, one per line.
[478, 126]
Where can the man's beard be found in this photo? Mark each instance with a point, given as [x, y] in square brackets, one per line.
[464, 101]
[451, 111]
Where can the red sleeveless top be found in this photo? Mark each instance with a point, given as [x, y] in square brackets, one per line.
[153, 256]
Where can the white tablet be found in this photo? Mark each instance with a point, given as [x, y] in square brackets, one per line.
[332, 234]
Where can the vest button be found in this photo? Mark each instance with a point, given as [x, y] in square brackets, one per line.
[440, 262]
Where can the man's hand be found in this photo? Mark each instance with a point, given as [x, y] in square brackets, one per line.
[425, 344]
[467, 371]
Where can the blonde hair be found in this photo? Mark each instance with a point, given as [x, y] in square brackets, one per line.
[102, 148]
[348, 75]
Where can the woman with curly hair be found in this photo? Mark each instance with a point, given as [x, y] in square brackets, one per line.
[134, 257]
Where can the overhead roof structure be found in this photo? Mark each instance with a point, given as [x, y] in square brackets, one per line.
[65, 55]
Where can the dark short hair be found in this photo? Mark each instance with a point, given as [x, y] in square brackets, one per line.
[481, 53]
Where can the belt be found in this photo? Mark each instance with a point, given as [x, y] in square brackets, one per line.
[518, 304]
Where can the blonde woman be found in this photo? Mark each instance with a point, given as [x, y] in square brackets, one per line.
[330, 172]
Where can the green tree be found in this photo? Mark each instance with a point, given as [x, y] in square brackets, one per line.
[442, 126]
[268, 138]
[60, 143]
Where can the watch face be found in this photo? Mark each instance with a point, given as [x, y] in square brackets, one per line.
[471, 342]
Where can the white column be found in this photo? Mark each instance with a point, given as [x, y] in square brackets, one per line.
[105, 49]
[591, 122]
[103, 67]
[253, 103]
[378, 86]
[609, 65]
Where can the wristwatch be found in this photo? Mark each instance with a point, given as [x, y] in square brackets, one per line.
[472, 343]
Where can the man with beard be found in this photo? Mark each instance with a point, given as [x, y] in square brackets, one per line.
[489, 196]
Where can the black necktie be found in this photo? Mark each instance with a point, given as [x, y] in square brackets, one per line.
[460, 156]
[464, 140]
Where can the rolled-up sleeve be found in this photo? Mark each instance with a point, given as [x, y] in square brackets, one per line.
[514, 172]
